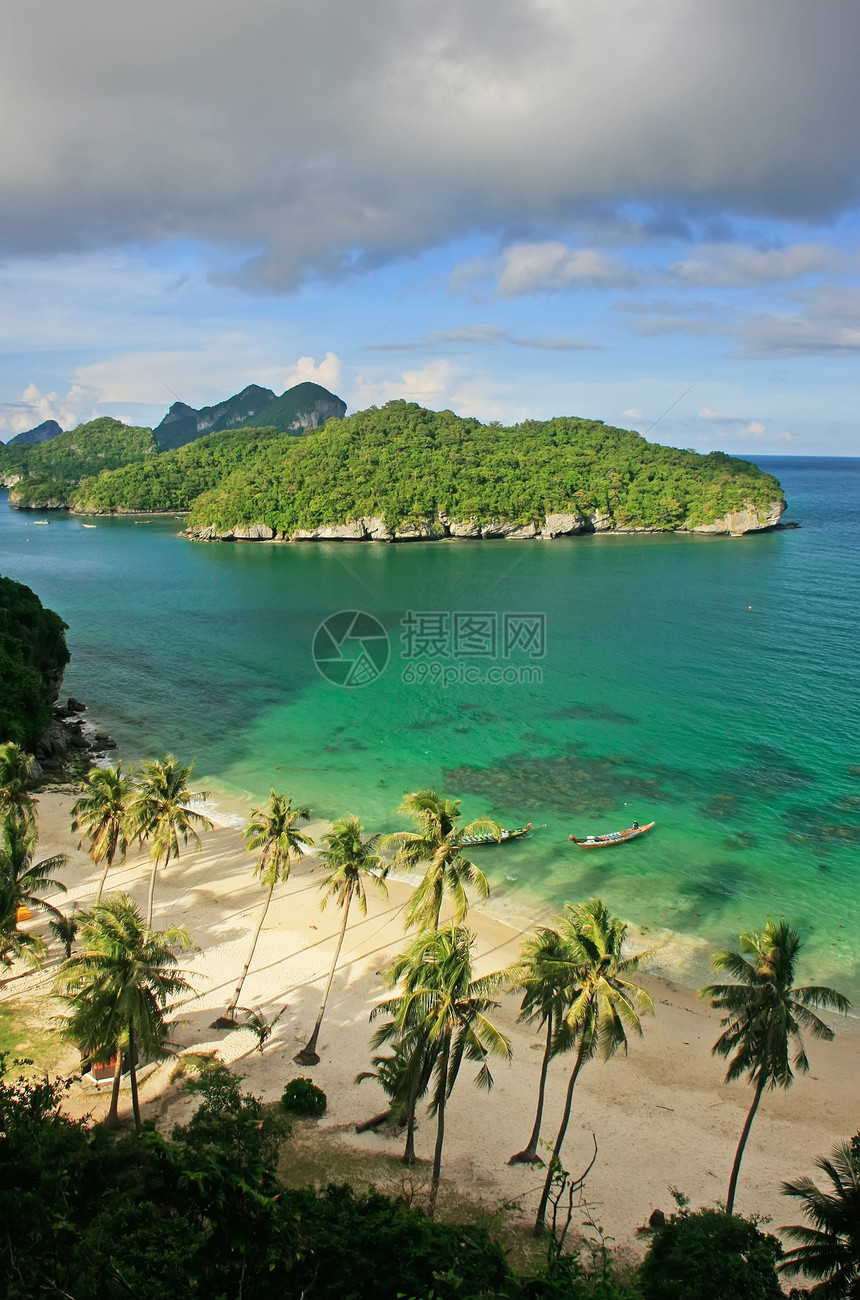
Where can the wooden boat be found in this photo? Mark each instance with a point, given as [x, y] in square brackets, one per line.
[612, 837]
[487, 837]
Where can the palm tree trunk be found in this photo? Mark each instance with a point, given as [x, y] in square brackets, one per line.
[530, 1156]
[409, 1157]
[231, 1010]
[152, 886]
[540, 1221]
[440, 1128]
[739, 1154]
[132, 1074]
[103, 879]
[308, 1054]
[112, 1120]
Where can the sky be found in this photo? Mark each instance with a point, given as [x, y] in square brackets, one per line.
[643, 211]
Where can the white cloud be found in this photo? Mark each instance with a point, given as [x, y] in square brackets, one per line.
[530, 268]
[754, 429]
[633, 414]
[734, 265]
[332, 136]
[707, 414]
[34, 407]
[327, 373]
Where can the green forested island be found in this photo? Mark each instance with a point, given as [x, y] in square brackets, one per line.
[400, 472]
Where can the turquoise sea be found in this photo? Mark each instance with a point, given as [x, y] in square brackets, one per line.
[709, 684]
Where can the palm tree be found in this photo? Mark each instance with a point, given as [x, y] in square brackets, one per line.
[351, 861]
[437, 842]
[764, 1015]
[103, 814]
[606, 1004]
[159, 812]
[22, 882]
[544, 973]
[393, 1074]
[443, 1005]
[830, 1249]
[65, 930]
[16, 780]
[274, 832]
[117, 988]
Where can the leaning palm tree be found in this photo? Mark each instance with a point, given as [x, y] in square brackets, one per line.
[543, 973]
[272, 831]
[606, 1005]
[16, 782]
[351, 861]
[159, 812]
[830, 1249]
[103, 815]
[438, 843]
[117, 988]
[443, 1005]
[22, 884]
[764, 1015]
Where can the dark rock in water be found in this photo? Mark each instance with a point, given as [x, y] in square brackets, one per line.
[102, 740]
[75, 706]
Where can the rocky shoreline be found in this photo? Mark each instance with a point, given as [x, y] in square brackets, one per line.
[71, 745]
[440, 527]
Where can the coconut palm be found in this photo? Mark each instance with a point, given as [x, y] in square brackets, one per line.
[764, 1015]
[606, 1005]
[159, 812]
[16, 781]
[393, 1074]
[103, 815]
[22, 883]
[117, 988]
[65, 930]
[442, 1005]
[830, 1249]
[272, 831]
[437, 842]
[543, 973]
[351, 861]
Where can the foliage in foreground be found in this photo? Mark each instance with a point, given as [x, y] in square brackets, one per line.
[711, 1255]
[33, 654]
[87, 1212]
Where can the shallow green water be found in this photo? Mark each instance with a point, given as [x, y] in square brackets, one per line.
[708, 684]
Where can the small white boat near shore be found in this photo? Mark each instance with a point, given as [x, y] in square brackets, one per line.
[89, 525]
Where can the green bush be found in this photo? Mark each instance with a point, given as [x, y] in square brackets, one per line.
[710, 1255]
[302, 1097]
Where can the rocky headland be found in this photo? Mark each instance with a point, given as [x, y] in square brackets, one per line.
[438, 527]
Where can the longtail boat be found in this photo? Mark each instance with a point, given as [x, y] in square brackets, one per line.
[612, 837]
[487, 837]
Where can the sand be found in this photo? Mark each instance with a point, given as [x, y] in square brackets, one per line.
[661, 1115]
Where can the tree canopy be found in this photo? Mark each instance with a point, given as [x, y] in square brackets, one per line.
[33, 654]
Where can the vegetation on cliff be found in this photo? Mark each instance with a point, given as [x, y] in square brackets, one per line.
[406, 464]
[50, 470]
[173, 480]
[33, 654]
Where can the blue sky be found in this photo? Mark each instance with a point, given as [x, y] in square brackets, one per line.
[644, 212]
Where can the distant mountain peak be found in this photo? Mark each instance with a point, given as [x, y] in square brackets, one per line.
[43, 432]
[305, 406]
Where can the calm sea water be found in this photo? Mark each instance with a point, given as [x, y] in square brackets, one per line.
[709, 684]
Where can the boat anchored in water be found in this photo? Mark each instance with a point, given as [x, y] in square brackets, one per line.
[487, 837]
[612, 837]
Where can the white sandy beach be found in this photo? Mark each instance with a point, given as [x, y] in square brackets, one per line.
[662, 1116]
